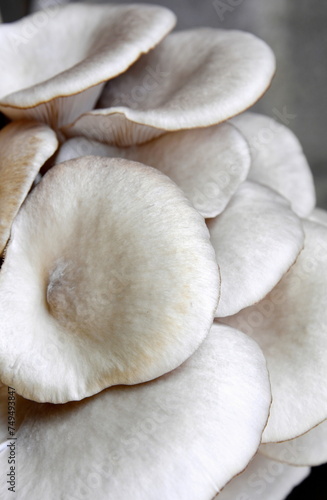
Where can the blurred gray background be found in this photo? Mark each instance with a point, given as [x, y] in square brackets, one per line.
[296, 31]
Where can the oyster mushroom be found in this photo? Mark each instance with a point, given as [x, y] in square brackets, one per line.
[24, 148]
[114, 276]
[278, 160]
[257, 238]
[308, 449]
[264, 478]
[179, 437]
[290, 326]
[103, 41]
[207, 164]
[232, 69]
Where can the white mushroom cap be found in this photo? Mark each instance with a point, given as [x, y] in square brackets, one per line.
[179, 437]
[256, 239]
[290, 326]
[308, 449]
[60, 58]
[24, 148]
[278, 160]
[208, 164]
[264, 479]
[114, 278]
[194, 78]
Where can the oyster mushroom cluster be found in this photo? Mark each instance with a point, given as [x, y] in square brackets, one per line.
[162, 291]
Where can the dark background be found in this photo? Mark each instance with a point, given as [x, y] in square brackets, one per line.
[296, 31]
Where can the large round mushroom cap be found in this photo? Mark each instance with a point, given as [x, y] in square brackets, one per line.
[109, 278]
[60, 58]
[194, 78]
[179, 437]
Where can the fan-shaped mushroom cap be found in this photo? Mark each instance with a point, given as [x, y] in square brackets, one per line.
[207, 164]
[194, 78]
[256, 239]
[179, 437]
[24, 148]
[264, 479]
[278, 160]
[114, 278]
[290, 326]
[308, 449]
[55, 85]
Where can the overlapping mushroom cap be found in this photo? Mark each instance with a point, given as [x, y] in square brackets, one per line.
[160, 92]
[114, 276]
[264, 478]
[289, 324]
[265, 241]
[310, 448]
[60, 63]
[186, 417]
[110, 274]
[208, 164]
[24, 148]
[278, 160]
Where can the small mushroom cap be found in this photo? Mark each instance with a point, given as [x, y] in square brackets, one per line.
[194, 78]
[208, 164]
[179, 437]
[290, 326]
[256, 239]
[24, 148]
[308, 449]
[46, 80]
[114, 278]
[264, 477]
[278, 160]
